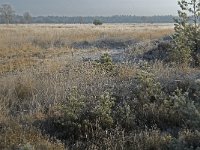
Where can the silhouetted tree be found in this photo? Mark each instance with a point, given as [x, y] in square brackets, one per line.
[7, 12]
[27, 17]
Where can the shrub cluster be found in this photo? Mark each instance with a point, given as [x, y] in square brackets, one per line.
[97, 22]
[150, 118]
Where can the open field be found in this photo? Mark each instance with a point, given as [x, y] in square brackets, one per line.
[27, 45]
[95, 87]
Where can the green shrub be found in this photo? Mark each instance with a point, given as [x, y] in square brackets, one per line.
[105, 63]
[103, 110]
[179, 111]
[148, 97]
[148, 88]
[80, 119]
[187, 140]
[125, 116]
[97, 22]
[148, 140]
[153, 106]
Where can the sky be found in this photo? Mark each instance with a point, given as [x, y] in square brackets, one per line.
[93, 7]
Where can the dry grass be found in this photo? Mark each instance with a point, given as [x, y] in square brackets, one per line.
[15, 136]
[38, 72]
[22, 46]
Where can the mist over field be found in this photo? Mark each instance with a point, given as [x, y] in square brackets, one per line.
[94, 7]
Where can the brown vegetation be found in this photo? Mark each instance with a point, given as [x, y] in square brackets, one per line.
[51, 99]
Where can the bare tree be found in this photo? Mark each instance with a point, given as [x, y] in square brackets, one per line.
[7, 12]
[27, 17]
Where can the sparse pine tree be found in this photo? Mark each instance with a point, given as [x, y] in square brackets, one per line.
[186, 37]
[194, 9]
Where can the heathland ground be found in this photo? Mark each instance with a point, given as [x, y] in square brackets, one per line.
[95, 87]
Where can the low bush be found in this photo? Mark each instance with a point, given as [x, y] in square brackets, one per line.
[97, 22]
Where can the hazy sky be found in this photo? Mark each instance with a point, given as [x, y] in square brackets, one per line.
[94, 7]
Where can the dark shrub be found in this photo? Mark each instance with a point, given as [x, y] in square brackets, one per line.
[97, 22]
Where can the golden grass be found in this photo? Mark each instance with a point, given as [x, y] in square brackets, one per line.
[22, 46]
[16, 137]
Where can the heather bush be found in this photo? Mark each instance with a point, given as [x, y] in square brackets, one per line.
[80, 119]
[187, 140]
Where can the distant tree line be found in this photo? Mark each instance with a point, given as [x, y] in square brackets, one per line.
[7, 15]
[87, 20]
